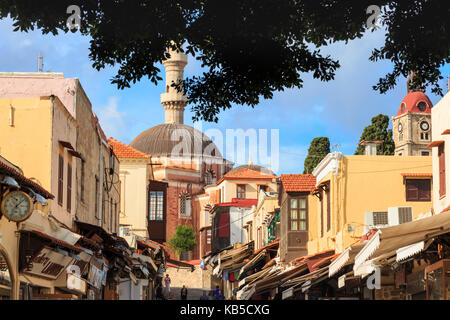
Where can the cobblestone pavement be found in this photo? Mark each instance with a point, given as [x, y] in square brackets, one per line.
[193, 293]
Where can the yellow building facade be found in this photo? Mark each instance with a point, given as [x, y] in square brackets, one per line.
[348, 188]
[35, 132]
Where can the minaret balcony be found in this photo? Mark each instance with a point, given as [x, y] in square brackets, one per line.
[173, 97]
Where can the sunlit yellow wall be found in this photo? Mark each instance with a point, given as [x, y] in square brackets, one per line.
[363, 183]
[30, 130]
[133, 207]
[251, 190]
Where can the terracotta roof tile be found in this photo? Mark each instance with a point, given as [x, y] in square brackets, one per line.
[239, 203]
[123, 151]
[246, 173]
[415, 174]
[298, 182]
[21, 179]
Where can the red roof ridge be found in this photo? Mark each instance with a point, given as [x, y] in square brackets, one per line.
[298, 182]
[124, 151]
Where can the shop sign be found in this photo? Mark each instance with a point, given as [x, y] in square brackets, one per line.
[49, 263]
[95, 277]
[76, 283]
[287, 293]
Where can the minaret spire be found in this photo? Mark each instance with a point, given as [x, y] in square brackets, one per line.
[172, 100]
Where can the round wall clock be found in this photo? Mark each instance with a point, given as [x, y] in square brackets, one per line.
[424, 126]
[16, 206]
[400, 127]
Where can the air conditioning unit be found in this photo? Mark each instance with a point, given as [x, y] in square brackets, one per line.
[399, 215]
[375, 220]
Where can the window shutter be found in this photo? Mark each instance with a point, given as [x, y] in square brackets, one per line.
[69, 187]
[224, 225]
[412, 191]
[60, 179]
[425, 190]
[328, 211]
[441, 156]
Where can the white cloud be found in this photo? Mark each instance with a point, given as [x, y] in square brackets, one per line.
[111, 120]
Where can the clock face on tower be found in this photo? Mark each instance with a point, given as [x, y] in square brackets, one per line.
[424, 126]
[16, 206]
[400, 127]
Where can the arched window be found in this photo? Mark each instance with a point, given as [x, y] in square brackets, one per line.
[185, 205]
[209, 177]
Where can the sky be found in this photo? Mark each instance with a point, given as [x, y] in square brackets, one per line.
[339, 109]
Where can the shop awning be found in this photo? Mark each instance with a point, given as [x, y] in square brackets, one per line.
[180, 264]
[249, 265]
[345, 258]
[408, 251]
[393, 238]
[44, 224]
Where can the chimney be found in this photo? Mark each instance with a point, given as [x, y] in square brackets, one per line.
[370, 146]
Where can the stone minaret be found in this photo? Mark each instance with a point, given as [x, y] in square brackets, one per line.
[172, 100]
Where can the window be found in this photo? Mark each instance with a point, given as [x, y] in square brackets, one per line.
[441, 156]
[297, 215]
[322, 223]
[240, 191]
[115, 217]
[96, 195]
[328, 209]
[418, 190]
[69, 187]
[156, 205]
[424, 135]
[185, 205]
[111, 215]
[425, 153]
[209, 177]
[82, 180]
[103, 207]
[60, 179]
[208, 236]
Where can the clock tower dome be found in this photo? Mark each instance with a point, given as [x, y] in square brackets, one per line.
[412, 124]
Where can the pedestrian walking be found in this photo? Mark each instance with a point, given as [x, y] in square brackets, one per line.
[167, 282]
[184, 293]
[204, 296]
[216, 292]
[220, 296]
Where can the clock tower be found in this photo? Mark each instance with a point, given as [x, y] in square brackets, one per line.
[412, 124]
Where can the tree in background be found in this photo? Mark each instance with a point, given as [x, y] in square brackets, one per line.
[378, 130]
[318, 149]
[248, 49]
[183, 240]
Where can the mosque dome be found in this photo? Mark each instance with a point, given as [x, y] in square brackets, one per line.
[175, 139]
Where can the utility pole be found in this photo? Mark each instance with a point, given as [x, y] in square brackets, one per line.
[40, 63]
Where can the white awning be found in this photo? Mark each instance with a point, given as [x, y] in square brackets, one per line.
[393, 238]
[408, 251]
[364, 269]
[345, 258]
